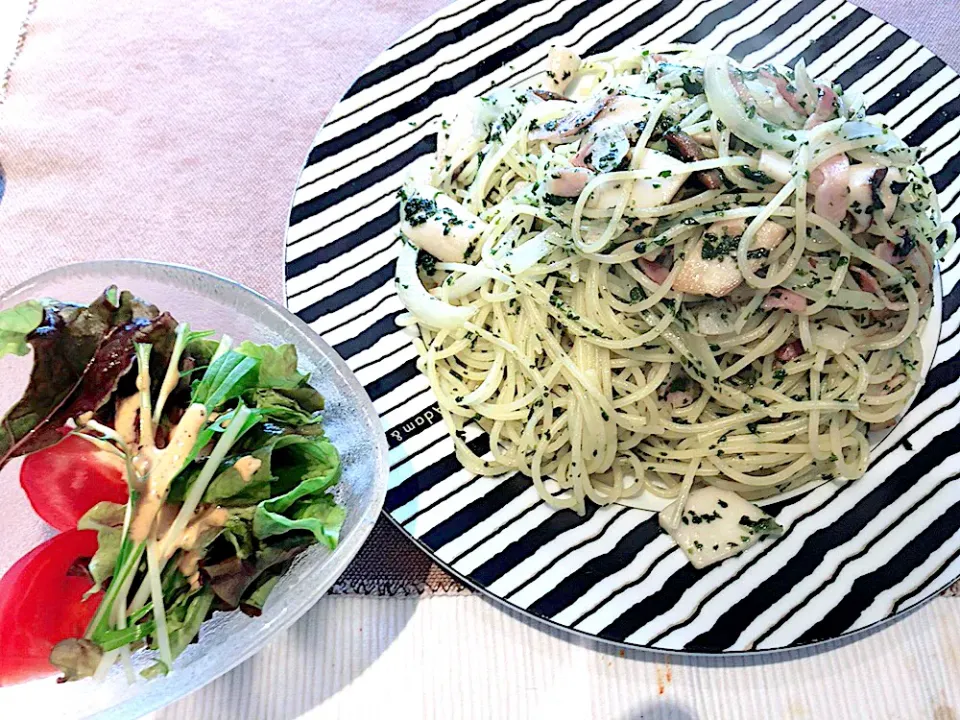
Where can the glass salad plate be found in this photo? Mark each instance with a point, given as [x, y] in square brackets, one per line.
[205, 301]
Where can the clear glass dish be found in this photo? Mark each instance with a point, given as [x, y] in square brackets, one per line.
[205, 301]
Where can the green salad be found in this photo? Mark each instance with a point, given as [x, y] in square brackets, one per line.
[221, 445]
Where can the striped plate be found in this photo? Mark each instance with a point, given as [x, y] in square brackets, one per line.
[852, 555]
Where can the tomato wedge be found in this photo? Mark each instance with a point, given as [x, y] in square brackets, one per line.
[62, 482]
[40, 605]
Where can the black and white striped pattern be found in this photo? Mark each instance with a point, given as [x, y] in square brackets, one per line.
[852, 555]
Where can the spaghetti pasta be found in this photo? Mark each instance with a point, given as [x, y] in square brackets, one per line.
[657, 271]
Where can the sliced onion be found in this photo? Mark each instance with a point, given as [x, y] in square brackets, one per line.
[728, 107]
[831, 338]
[524, 257]
[892, 153]
[428, 309]
[776, 166]
[859, 129]
[805, 84]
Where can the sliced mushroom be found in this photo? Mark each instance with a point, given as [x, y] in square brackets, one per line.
[615, 128]
[716, 317]
[458, 132]
[710, 268]
[550, 95]
[870, 191]
[567, 182]
[569, 125]
[704, 138]
[438, 224]
[608, 148]
[627, 111]
[654, 192]
[562, 65]
[689, 149]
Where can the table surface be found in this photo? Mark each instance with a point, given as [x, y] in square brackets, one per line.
[179, 133]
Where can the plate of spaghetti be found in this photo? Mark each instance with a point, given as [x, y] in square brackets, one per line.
[656, 309]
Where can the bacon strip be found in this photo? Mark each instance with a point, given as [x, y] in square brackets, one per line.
[789, 351]
[679, 398]
[569, 125]
[741, 89]
[568, 182]
[783, 299]
[580, 159]
[866, 281]
[826, 104]
[887, 252]
[782, 88]
[653, 270]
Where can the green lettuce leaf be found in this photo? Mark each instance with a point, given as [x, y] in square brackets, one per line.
[107, 519]
[231, 578]
[320, 515]
[252, 604]
[306, 397]
[226, 378]
[228, 487]
[104, 561]
[239, 532]
[16, 323]
[285, 461]
[187, 618]
[103, 516]
[285, 406]
[305, 505]
[184, 619]
[278, 365]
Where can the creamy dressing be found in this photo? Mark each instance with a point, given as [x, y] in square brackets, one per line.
[189, 563]
[125, 420]
[247, 467]
[203, 520]
[189, 566]
[160, 467]
[170, 382]
[212, 518]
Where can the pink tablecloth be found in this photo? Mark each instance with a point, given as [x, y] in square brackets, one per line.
[176, 130]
